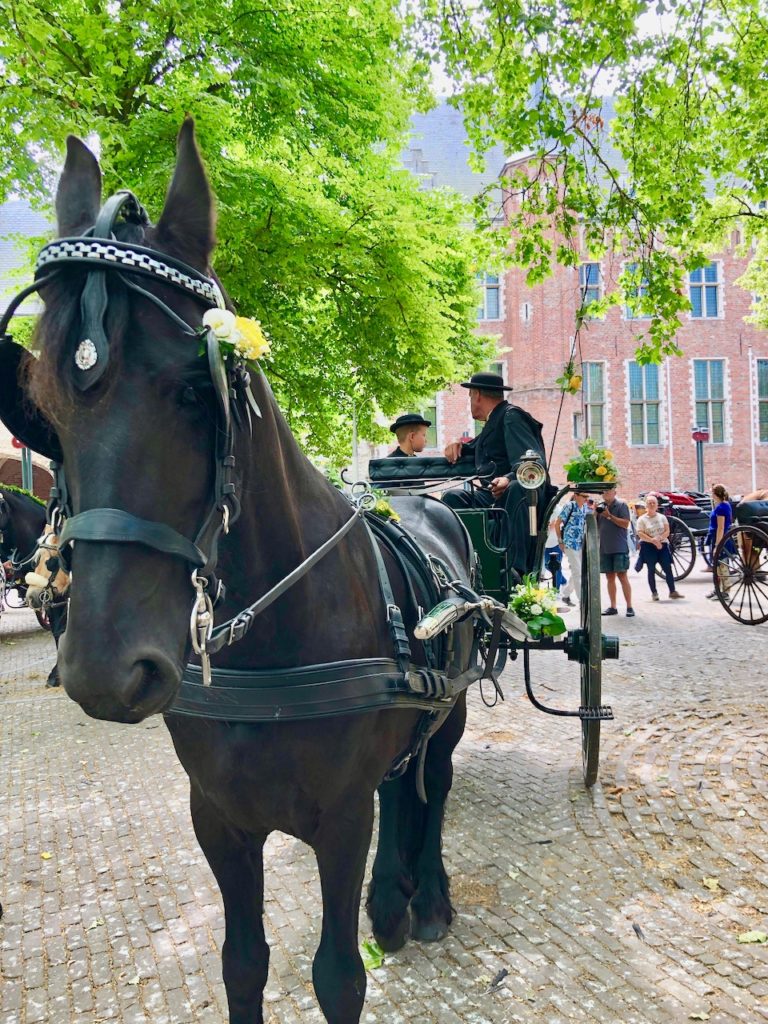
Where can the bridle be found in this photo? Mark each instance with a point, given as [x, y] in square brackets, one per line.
[100, 253]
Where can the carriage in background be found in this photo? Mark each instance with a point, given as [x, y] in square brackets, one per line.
[741, 558]
[499, 566]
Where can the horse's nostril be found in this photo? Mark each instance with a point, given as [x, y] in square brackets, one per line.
[151, 684]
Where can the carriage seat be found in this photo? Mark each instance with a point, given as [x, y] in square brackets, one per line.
[429, 469]
[754, 512]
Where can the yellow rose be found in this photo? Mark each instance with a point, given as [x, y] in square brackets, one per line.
[601, 471]
[607, 456]
[575, 382]
[250, 340]
[609, 478]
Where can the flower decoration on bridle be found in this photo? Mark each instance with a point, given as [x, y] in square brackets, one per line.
[238, 336]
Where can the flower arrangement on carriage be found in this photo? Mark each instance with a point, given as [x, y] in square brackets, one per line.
[592, 464]
[536, 605]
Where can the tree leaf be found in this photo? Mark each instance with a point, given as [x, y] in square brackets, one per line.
[372, 954]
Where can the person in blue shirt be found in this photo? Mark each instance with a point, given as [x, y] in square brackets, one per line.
[569, 527]
[720, 522]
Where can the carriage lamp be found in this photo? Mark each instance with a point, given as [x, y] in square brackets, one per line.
[531, 474]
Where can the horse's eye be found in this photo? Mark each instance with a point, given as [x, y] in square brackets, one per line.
[189, 397]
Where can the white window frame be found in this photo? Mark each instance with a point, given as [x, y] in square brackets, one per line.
[583, 300]
[641, 288]
[759, 400]
[724, 401]
[645, 402]
[703, 285]
[485, 286]
[589, 404]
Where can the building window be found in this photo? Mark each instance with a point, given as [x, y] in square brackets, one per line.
[498, 369]
[644, 404]
[578, 426]
[762, 398]
[490, 298]
[594, 401]
[709, 395]
[429, 412]
[635, 291]
[590, 283]
[705, 292]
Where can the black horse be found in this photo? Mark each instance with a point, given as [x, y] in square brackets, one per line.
[143, 440]
[22, 521]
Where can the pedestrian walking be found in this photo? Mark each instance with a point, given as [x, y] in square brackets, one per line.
[569, 527]
[653, 534]
[613, 523]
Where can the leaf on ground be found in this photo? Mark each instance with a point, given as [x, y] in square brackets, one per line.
[713, 884]
[46, 855]
[513, 874]
[372, 954]
[753, 937]
[95, 924]
[698, 1016]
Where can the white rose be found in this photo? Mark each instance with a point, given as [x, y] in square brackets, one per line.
[594, 458]
[221, 322]
[536, 609]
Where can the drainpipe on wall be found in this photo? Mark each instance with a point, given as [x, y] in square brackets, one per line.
[752, 421]
[669, 428]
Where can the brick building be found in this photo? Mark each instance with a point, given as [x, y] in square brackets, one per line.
[644, 414]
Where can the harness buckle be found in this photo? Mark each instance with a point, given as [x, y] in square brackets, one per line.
[201, 625]
[392, 610]
[225, 519]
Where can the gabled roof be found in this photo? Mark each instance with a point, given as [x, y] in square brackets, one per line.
[439, 151]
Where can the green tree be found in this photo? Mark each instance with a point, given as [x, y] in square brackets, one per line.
[363, 281]
[665, 180]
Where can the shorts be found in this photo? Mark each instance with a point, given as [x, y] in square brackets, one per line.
[614, 563]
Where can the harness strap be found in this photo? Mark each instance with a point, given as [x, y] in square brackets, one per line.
[234, 629]
[394, 615]
[117, 526]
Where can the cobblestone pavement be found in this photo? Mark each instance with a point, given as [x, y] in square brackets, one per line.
[620, 905]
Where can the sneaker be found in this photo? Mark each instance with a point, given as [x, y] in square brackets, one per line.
[568, 601]
[654, 597]
[630, 613]
[611, 611]
[676, 596]
[712, 595]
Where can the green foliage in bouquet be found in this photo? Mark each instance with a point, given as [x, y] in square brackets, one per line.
[537, 607]
[592, 463]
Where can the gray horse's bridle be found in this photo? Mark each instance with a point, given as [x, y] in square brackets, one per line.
[100, 252]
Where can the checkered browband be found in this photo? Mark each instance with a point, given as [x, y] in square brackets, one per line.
[136, 258]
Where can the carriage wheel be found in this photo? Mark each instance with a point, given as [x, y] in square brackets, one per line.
[683, 547]
[591, 667]
[741, 578]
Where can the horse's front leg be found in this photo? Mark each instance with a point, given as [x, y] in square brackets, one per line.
[431, 910]
[341, 846]
[236, 860]
[391, 887]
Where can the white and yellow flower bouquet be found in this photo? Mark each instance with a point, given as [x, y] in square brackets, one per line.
[537, 607]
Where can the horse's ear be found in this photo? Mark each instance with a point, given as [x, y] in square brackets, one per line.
[78, 197]
[187, 223]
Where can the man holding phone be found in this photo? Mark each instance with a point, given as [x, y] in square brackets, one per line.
[613, 523]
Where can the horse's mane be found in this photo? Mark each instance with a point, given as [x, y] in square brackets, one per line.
[49, 378]
[13, 489]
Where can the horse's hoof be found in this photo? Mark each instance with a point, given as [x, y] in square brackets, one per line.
[395, 940]
[51, 682]
[428, 931]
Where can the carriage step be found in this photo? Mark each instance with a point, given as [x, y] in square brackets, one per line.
[603, 712]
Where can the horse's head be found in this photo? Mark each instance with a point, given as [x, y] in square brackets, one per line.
[47, 581]
[137, 411]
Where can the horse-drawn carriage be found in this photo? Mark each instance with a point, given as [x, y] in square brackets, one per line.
[503, 556]
[741, 561]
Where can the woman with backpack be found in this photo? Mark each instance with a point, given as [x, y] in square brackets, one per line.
[569, 527]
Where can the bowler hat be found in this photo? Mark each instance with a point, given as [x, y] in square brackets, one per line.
[486, 382]
[410, 419]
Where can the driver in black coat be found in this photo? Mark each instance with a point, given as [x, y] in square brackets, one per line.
[509, 433]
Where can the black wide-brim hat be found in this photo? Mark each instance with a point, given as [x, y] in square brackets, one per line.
[410, 419]
[486, 382]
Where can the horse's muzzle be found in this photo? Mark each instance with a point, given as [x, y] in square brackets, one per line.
[116, 693]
